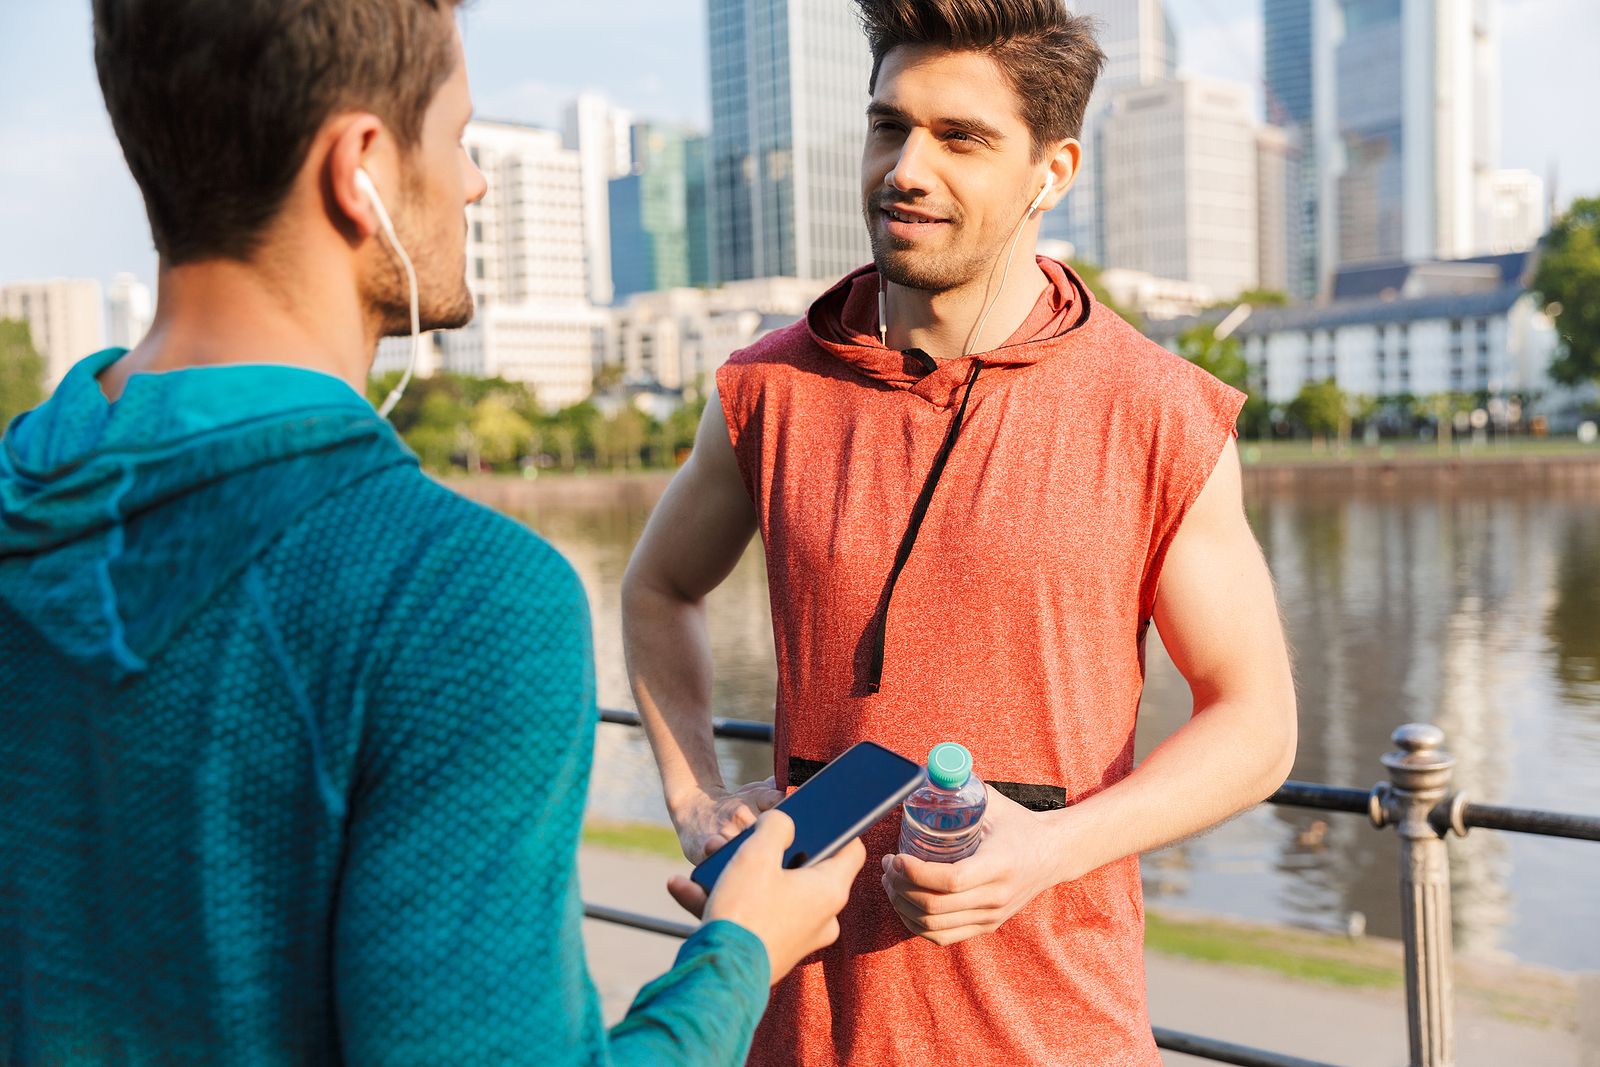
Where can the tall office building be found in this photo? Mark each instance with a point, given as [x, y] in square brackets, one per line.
[788, 92]
[64, 315]
[1278, 228]
[653, 230]
[1140, 51]
[128, 307]
[1181, 165]
[1396, 104]
[602, 137]
[696, 209]
[526, 269]
[1287, 76]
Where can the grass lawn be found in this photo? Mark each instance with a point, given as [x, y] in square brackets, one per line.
[648, 838]
[1412, 450]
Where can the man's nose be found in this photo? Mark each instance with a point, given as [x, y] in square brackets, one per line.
[912, 172]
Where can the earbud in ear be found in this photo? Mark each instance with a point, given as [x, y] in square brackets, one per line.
[1040, 198]
[370, 191]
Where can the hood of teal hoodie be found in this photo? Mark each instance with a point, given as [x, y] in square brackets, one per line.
[119, 520]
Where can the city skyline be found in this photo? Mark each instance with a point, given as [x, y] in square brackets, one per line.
[69, 208]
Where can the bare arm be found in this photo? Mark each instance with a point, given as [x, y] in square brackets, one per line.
[1218, 618]
[694, 538]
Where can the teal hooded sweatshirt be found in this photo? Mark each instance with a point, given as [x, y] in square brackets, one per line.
[294, 746]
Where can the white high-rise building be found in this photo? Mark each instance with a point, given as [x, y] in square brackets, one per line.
[129, 309]
[1140, 51]
[788, 100]
[600, 134]
[1180, 194]
[1278, 209]
[64, 316]
[526, 270]
[1518, 211]
[677, 338]
[1406, 125]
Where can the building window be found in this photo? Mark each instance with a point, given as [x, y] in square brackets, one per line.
[477, 231]
[479, 267]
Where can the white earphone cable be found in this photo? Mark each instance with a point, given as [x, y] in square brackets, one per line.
[973, 344]
[364, 182]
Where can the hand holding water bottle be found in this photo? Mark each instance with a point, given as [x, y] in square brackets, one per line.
[970, 858]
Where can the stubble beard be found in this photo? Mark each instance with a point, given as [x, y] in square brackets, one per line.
[444, 302]
[928, 271]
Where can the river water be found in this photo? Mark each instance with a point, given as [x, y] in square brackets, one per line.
[1479, 612]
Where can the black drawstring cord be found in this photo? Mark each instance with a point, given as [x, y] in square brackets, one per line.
[875, 681]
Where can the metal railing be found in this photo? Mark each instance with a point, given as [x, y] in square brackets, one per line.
[1415, 800]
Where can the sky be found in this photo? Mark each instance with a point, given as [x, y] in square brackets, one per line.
[68, 206]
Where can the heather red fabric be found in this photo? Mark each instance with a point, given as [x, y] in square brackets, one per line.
[1016, 629]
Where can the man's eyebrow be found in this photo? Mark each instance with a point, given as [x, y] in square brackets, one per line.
[974, 126]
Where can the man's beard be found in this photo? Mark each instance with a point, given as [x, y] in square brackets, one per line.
[934, 272]
[442, 303]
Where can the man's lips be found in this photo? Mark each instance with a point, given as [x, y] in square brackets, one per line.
[903, 222]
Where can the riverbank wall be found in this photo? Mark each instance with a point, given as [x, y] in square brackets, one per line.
[1411, 476]
[513, 494]
[1426, 476]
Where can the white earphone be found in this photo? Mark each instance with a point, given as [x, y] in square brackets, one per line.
[364, 183]
[1007, 272]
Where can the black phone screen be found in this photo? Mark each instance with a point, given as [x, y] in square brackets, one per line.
[835, 805]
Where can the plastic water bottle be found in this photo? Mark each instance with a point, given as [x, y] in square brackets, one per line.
[943, 817]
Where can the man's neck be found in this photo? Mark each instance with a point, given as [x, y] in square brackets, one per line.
[946, 324]
[221, 311]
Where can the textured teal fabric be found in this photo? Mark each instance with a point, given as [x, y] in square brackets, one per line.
[294, 745]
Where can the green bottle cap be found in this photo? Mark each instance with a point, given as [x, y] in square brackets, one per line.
[949, 765]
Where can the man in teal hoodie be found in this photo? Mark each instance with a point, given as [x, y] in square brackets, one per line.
[294, 742]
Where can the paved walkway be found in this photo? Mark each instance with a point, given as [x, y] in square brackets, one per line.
[1349, 1028]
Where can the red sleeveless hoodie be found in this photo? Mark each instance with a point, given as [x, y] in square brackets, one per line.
[1016, 628]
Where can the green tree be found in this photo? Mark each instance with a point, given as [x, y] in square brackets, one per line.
[21, 371]
[1225, 361]
[1442, 409]
[618, 437]
[1320, 407]
[501, 434]
[1262, 298]
[1568, 281]
[1091, 278]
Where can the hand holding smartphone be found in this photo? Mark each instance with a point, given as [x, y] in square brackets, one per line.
[834, 807]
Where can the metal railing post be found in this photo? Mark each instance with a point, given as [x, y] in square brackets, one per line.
[1419, 776]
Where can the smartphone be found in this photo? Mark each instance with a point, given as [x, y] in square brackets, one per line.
[834, 806]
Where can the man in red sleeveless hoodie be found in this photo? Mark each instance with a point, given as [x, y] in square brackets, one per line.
[977, 487]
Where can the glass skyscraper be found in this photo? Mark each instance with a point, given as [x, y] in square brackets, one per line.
[1395, 102]
[1287, 72]
[649, 210]
[788, 101]
[1140, 50]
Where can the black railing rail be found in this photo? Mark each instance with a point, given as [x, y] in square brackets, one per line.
[1172, 1040]
[1415, 801]
[1293, 794]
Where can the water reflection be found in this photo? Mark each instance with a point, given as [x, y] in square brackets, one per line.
[1479, 613]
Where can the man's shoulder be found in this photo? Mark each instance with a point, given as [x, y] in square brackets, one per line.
[401, 526]
[1133, 368]
[790, 345]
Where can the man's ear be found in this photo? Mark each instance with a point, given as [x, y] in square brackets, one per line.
[1063, 171]
[357, 141]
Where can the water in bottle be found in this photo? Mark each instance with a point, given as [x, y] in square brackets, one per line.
[943, 817]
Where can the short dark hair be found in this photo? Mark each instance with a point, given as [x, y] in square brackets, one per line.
[216, 102]
[1049, 55]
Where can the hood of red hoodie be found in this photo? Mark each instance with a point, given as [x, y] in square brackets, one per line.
[843, 323]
